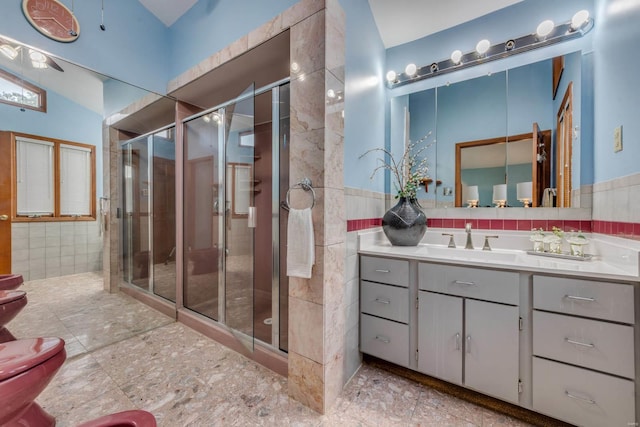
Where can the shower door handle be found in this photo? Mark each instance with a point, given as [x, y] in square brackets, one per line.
[252, 219]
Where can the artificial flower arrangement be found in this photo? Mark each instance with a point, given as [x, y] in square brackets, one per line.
[407, 172]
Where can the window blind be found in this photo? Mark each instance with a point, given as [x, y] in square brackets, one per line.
[75, 180]
[35, 177]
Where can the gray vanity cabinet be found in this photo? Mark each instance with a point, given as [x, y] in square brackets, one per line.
[584, 360]
[384, 308]
[468, 328]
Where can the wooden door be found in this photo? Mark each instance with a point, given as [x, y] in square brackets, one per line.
[6, 186]
[492, 349]
[564, 136]
[440, 336]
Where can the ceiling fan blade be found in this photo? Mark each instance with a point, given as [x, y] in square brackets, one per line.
[53, 64]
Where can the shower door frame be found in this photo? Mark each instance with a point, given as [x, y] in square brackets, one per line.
[274, 346]
[148, 137]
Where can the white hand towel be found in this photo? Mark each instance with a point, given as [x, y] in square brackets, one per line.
[300, 244]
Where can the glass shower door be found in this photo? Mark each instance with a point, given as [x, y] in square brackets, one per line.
[136, 247]
[241, 218]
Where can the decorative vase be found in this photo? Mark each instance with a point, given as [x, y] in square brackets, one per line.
[405, 223]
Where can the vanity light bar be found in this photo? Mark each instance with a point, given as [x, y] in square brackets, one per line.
[580, 25]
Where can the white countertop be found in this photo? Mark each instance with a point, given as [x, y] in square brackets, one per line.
[613, 259]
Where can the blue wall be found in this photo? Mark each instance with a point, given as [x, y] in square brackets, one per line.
[616, 63]
[64, 120]
[365, 102]
[211, 25]
[133, 48]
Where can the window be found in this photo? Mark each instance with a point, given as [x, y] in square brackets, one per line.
[17, 92]
[54, 179]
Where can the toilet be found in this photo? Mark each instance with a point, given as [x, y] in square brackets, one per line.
[135, 418]
[11, 302]
[10, 281]
[26, 367]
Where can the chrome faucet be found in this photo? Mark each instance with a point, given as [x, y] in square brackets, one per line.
[467, 228]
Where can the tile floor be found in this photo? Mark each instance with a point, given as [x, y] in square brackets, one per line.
[125, 355]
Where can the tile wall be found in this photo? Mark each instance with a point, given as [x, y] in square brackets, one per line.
[50, 249]
[606, 208]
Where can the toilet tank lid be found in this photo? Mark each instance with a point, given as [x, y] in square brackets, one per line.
[21, 355]
[10, 296]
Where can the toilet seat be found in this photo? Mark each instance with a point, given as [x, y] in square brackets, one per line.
[10, 296]
[20, 356]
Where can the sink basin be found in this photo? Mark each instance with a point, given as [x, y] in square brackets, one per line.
[462, 254]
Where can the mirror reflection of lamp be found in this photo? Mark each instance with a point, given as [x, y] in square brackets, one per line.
[523, 192]
[500, 195]
[472, 196]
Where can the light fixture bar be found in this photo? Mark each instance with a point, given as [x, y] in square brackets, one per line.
[559, 33]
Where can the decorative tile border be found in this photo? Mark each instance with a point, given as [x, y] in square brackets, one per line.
[363, 224]
[628, 230]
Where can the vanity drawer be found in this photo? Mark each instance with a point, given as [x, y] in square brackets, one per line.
[600, 300]
[490, 285]
[582, 397]
[384, 270]
[603, 346]
[385, 339]
[390, 302]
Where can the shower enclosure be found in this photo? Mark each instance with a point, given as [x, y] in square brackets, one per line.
[149, 213]
[235, 172]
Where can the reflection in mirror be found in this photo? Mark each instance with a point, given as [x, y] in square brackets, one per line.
[517, 126]
[79, 102]
[482, 164]
[469, 111]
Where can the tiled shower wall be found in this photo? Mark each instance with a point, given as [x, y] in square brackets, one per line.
[50, 249]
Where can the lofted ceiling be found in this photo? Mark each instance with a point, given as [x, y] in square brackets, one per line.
[398, 21]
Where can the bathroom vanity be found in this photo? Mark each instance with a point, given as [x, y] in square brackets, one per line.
[554, 336]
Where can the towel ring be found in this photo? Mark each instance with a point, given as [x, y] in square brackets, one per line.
[305, 184]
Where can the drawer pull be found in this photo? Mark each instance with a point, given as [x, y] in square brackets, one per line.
[573, 297]
[458, 341]
[582, 399]
[462, 282]
[382, 301]
[468, 343]
[383, 271]
[583, 344]
[383, 339]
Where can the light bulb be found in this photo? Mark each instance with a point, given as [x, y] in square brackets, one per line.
[483, 46]
[295, 67]
[331, 93]
[545, 28]
[206, 118]
[411, 70]
[41, 65]
[37, 56]
[391, 76]
[456, 56]
[579, 19]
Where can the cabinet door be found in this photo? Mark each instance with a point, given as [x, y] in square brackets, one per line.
[440, 336]
[491, 349]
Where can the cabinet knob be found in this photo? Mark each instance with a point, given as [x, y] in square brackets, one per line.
[458, 341]
[468, 343]
[382, 301]
[383, 339]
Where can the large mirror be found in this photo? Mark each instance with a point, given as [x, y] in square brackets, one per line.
[45, 98]
[506, 139]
